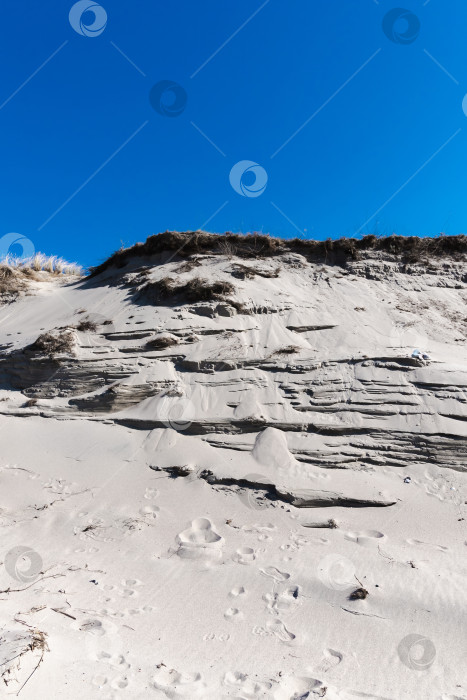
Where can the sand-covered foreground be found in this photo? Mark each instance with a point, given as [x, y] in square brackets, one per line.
[229, 478]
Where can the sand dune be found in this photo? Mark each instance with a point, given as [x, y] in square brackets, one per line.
[227, 476]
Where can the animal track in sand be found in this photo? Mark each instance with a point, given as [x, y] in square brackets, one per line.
[280, 631]
[200, 541]
[244, 555]
[132, 582]
[233, 614]
[236, 591]
[178, 686]
[366, 538]
[212, 636]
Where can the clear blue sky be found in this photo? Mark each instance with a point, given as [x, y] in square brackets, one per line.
[384, 103]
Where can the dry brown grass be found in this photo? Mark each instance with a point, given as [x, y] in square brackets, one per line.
[87, 325]
[13, 281]
[51, 344]
[246, 272]
[161, 342]
[289, 350]
[167, 290]
[406, 249]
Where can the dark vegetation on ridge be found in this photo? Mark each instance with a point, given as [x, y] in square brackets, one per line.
[332, 252]
[167, 289]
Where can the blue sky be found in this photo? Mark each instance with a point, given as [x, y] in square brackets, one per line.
[347, 128]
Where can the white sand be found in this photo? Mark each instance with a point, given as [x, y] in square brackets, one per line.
[130, 582]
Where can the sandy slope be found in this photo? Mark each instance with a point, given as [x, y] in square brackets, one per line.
[163, 512]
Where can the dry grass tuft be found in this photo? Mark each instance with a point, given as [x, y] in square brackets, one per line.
[188, 266]
[168, 290]
[36, 643]
[246, 272]
[13, 281]
[51, 344]
[289, 350]
[44, 263]
[162, 342]
[87, 325]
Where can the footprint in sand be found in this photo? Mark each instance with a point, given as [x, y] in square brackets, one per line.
[419, 543]
[151, 493]
[330, 660]
[297, 688]
[244, 555]
[244, 687]
[272, 572]
[120, 683]
[150, 512]
[94, 627]
[286, 602]
[280, 631]
[178, 686]
[366, 538]
[99, 681]
[200, 541]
